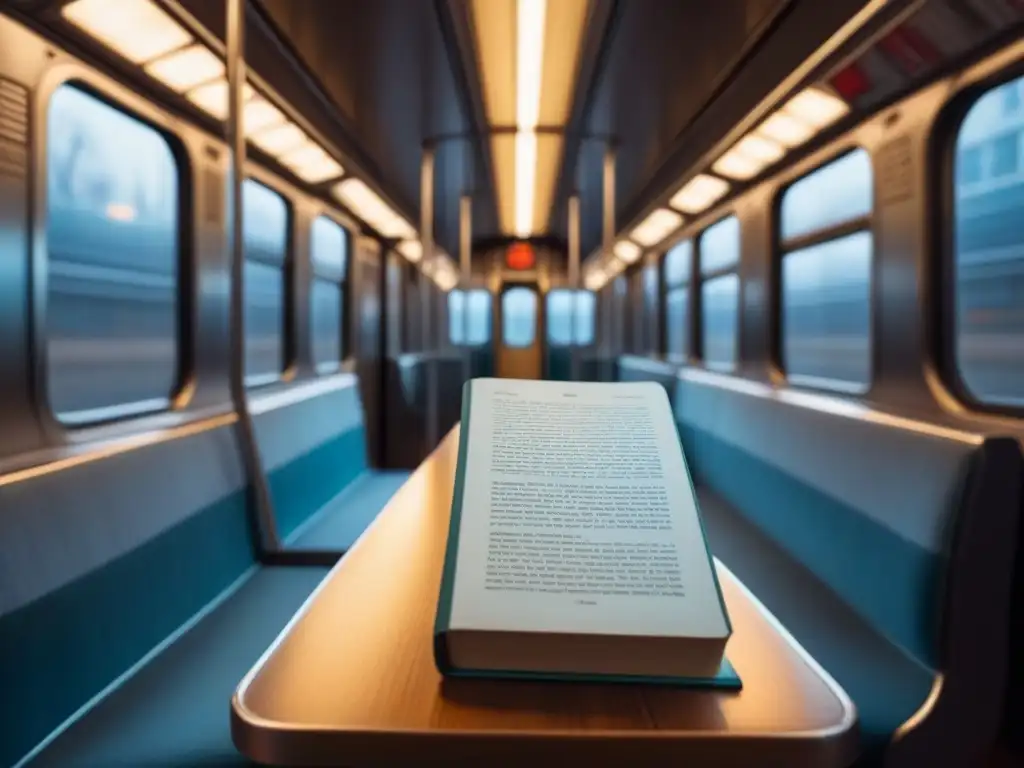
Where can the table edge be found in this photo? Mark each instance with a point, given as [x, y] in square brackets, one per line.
[255, 735]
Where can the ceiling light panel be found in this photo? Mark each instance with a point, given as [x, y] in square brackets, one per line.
[526, 177]
[785, 130]
[368, 206]
[260, 114]
[627, 251]
[656, 227]
[759, 148]
[411, 249]
[529, 61]
[312, 164]
[280, 139]
[699, 194]
[139, 30]
[212, 98]
[185, 69]
[816, 107]
[737, 166]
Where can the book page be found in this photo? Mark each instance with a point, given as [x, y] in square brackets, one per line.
[578, 515]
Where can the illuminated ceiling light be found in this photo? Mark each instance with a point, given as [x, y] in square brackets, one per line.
[786, 130]
[368, 206]
[280, 139]
[526, 175]
[758, 148]
[816, 107]
[529, 67]
[411, 249]
[529, 61]
[311, 163]
[594, 281]
[259, 114]
[139, 30]
[627, 251]
[699, 194]
[737, 166]
[656, 227]
[185, 69]
[213, 98]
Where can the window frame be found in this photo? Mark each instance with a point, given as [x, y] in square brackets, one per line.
[343, 283]
[940, 224]
[782, 246]
[116, 96]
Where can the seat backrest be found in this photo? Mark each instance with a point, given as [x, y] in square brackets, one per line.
[312, 441]
[103, 557]
[913, 525]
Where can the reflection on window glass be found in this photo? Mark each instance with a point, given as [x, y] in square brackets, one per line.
[265, 218]
[677, 263]
[829, 196]
[720, 301]
[112, 261]
[677, 323]
[989, 251]
[469, 320]
[519, 317]
[325, 310]
[586, 306]
[826, 311]
[720, 245]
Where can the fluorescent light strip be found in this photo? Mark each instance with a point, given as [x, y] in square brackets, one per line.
[699, 194]
[212, 98]
[526, 176]
[816, 107]
[139, 30]
[530, 16]
[185, 69]
[627, 251]
[735, 165]
[785, 129]
[656, 227]
[280, 139]
[260, 114]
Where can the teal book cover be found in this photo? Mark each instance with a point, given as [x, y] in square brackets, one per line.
[726, 679]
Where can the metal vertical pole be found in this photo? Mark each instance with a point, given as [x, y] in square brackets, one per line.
[269, 541]
[465, 246]
[430, 345]
[607, 242]
[574, 284]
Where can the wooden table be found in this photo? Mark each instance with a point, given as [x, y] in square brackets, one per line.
[351, 679]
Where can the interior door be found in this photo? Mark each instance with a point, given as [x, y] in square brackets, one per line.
[519, 340]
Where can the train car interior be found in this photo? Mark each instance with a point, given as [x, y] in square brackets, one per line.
[252, 250]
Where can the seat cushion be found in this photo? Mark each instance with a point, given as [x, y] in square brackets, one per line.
[885, 683]
[175, 711]
[347, 515]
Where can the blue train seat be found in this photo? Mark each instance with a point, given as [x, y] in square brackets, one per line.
[312, 440]
[886, 546]
[131, 602]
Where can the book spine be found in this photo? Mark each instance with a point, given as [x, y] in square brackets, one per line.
[444, 602]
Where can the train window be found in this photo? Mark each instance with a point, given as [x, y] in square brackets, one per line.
[469, 317]
[651, 301]
[826, 275]
[112, 231]
[329, 259]
[570, 317]
[720, 300]
[832, 195]
[988, 269]
[519, 317]
[826, 311]
[720, 293]
[265, 218]
[676, 274]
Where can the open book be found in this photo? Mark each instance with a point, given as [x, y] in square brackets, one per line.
[576, 548]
